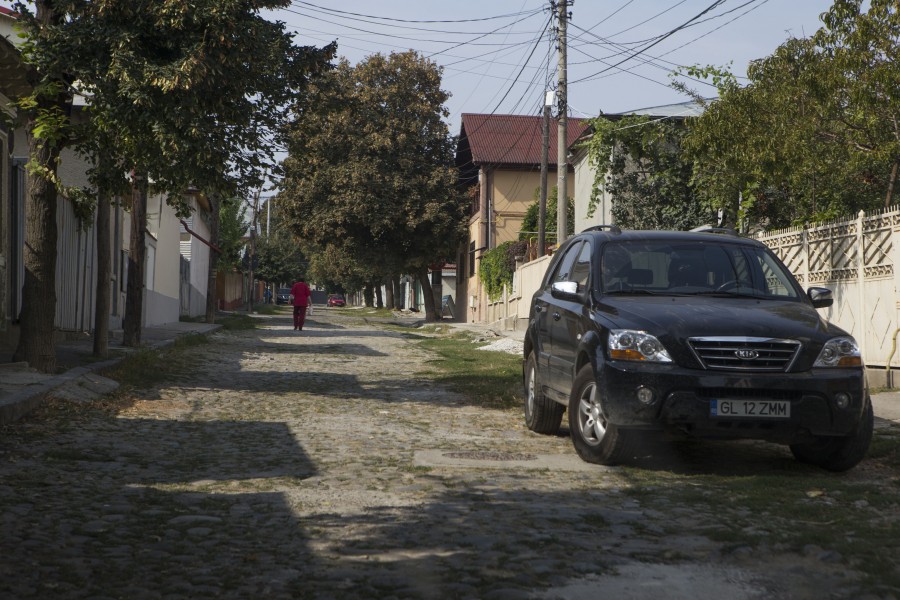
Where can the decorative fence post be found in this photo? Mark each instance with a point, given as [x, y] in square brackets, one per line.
[861, 275]
[804, 244]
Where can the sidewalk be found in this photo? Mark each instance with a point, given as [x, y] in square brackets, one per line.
[22, 388]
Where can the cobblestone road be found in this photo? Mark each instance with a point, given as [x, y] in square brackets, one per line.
[286, 465]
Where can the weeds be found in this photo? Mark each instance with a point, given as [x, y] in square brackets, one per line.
[237, 322]
[489, 379]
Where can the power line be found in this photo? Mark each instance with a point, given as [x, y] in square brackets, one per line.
[413, 39]
[647, 20]
[533, 49]
[758, 3]
[415, 20]
[658, 40]
[610, 15]
[472, 41]
[369, 19]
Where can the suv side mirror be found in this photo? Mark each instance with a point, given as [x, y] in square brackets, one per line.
[565, 290]
[820, 297]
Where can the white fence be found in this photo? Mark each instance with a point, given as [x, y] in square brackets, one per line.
[854, 258]
[511, 310]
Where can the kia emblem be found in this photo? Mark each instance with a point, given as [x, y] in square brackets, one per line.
[746, 354]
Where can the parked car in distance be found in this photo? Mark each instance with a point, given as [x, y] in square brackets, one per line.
[336, 300]
[703, 333]
[283, 296]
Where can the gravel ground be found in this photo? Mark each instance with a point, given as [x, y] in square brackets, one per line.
[280, 464]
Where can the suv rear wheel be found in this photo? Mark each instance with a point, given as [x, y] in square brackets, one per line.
[596, 440]
[839, 453]
[542, 415]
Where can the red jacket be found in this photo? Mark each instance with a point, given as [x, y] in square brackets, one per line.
[300, 292]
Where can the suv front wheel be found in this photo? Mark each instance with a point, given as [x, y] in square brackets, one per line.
[839, 453]
[542, 415]
[596, 440]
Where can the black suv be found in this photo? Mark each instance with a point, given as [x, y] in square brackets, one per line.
[702, 332]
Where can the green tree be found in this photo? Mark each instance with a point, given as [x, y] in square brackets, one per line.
[335, 268]
[814, 134]
[195, 94]
[639, 162]
[45, 113]
[531, 221]
[232, 232]
[370, 168]
[279, 259]
[864, 53]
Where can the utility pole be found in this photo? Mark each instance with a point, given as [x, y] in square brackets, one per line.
[562, 161]
[253, 224]
[545, 151]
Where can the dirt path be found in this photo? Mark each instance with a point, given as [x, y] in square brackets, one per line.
[325, 464]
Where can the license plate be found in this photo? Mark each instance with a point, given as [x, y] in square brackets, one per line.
[771, 409]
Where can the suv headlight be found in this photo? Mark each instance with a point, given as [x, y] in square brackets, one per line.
[839, 352]
[628, 344]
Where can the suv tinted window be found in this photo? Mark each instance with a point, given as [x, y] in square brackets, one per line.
[564, 268]
[581, 270]
[693, 268]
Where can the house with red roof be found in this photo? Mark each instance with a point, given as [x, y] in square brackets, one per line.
[499, 162]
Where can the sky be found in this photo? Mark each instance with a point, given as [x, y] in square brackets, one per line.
[498, 58]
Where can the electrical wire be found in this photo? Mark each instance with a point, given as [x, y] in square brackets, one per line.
[648, 46]
[758, 4]
[368, 19]
[414, 20]
[454, 43]
[533, 49]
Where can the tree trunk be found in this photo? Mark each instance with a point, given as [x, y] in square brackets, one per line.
[104, 268]
[379, 301]
[893, 180]
[36, 346]
[38, 312]
[431, 314]
[215, 205]
[398, 292]
[368, 296]
[134, 294]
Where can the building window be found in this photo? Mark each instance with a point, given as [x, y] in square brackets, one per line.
[475, 199]
[471, 258]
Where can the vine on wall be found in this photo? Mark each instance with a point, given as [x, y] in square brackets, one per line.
[498, 266]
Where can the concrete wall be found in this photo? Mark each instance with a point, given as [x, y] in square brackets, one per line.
[584, 184]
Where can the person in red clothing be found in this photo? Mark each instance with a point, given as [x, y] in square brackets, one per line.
[300, 293]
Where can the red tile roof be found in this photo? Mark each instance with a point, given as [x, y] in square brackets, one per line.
[513, 139]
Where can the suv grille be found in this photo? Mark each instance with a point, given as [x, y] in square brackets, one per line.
[745, 353]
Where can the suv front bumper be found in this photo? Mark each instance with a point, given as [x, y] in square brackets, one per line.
[682, 400]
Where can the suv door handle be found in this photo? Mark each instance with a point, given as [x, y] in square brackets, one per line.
[556, 316]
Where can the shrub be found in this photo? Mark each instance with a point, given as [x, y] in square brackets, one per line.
[498, 266]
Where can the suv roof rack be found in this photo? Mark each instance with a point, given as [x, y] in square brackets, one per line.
[612, 228]
[709, 229]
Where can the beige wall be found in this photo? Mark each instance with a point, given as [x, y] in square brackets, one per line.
[509, 193]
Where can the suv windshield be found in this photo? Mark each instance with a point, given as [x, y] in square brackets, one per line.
[693, 268]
